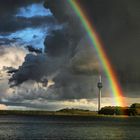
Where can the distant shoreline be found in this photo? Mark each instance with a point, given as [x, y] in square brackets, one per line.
[82, 113]
[45, 113]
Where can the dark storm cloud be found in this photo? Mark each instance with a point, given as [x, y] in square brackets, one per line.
[76, 75]
[31, 69]
[5, 41]
[72, 86]
[14, 24]
[10, 22]
[118, 24]
[65, 42]
[36, 67]
[61, 48]
[35, 21]
[62, 11]
[10, 7]
[57, 47]
[32, 49]
[71, 56]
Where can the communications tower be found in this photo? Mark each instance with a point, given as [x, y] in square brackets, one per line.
[99, 85]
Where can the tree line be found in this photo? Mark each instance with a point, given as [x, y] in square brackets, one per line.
[133, 110]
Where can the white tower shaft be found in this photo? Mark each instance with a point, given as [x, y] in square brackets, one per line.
[99, 100]
[99, 94]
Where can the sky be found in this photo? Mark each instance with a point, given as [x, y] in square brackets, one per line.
[66, 73]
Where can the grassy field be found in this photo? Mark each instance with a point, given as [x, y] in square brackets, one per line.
[38, 112]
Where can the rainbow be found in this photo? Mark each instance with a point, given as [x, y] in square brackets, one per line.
[110, 73]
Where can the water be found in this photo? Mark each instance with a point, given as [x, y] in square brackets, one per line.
[66, 127]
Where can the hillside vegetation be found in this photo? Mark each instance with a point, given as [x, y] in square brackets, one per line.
[133, 110]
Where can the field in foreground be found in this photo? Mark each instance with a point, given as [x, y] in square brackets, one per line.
[59, 127]
[110, 111]
[72, 112]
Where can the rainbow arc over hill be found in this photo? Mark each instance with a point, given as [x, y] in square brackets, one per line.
[95, 40]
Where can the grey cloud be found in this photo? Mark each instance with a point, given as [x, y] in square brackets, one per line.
[71, 60]
[31, 69]
[67, 54]
[12, 61]
[15, 24]
[117, 22]
[11, 23]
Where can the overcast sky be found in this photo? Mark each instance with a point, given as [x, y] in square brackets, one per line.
[65, 74]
